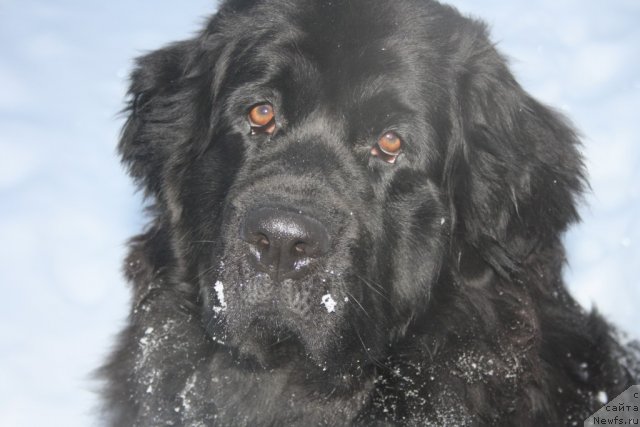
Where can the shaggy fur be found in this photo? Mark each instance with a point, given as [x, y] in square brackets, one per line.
[444, 267]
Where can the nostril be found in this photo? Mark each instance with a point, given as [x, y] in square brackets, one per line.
[262, 242]
[300, 249]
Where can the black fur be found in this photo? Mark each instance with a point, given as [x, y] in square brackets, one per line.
[445, 266]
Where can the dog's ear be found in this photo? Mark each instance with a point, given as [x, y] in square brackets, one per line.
[513, 170]
[169, 100]
[154, 82]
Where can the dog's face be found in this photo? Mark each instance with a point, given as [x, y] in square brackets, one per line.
[332, 228]
[305, 156]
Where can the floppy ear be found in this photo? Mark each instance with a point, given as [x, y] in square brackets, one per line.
[169, 115]
[154, 83]
[513, 170]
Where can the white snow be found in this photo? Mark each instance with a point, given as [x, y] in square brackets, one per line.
[329, 303]
[219, 288]
[602, 397]
[187, 391]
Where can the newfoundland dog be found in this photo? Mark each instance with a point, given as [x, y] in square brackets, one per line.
[356, 219]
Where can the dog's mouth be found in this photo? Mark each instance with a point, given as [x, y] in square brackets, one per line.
[305, 320]
[272, 347]
[315, 325]
[278, 326]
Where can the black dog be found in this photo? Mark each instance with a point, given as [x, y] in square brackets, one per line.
[357, 219]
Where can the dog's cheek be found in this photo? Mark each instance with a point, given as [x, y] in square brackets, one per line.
[418, 227]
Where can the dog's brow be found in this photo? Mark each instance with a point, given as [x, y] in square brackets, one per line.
[383, 105]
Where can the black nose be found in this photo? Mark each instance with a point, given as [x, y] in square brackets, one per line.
[282, 243]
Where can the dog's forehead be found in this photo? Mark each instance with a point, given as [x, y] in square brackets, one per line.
[349, 49]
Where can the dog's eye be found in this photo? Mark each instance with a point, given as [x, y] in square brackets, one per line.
[262, 119]
[388, 147]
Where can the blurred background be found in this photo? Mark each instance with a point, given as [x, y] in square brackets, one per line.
[67, 208]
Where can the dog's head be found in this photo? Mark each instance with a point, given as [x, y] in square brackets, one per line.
[327, 171]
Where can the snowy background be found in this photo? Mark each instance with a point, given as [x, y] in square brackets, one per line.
[66, 207]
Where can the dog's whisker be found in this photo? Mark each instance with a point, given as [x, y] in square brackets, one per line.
[375, 289]
[375, 361]
[358, 303]
[204, 272]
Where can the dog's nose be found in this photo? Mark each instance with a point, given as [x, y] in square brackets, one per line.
[283, 243]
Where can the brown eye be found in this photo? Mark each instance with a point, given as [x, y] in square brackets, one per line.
[261, 118]
[390, 143]
[388, 147]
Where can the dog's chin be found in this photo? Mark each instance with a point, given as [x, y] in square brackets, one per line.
[282, 338]
[309, 359]
[272, 347]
